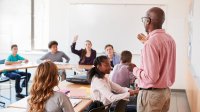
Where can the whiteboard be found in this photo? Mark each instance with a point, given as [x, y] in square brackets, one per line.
[108, 24]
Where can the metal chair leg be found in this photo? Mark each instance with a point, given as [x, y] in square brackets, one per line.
[3, 104]
[10, 90]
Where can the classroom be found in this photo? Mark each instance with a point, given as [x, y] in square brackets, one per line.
[99, 56]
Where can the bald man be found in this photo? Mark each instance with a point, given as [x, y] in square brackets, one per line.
[158, 64]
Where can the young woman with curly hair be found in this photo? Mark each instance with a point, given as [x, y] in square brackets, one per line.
[42, 96]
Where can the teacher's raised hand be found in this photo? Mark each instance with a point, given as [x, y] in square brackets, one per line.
[142, 38]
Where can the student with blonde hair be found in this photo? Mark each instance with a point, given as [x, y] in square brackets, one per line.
[42, 96]
[87, 55]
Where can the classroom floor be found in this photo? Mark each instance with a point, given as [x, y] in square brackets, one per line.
[179, 102]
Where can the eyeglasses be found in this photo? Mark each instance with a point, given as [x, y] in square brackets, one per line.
[145, 19]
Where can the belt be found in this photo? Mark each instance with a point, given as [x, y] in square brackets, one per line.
[151, 88]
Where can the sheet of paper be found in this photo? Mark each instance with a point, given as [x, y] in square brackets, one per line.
[75, 101]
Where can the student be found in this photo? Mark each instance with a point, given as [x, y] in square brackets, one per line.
[120, 74]
[86, 55]
[42, 97]
[12, 59]
[102, 88]
[114, 57]
[56, 56]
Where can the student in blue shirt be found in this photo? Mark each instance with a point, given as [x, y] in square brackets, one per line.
[14, 58]
[113, 57]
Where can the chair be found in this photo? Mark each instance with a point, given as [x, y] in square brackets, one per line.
[132, 104]
[2, 80]
[101, 109]
[121, 106]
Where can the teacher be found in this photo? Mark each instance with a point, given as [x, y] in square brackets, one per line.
[158, 65]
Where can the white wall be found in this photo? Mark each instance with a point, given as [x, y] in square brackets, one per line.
[176, 25]
[195, 27]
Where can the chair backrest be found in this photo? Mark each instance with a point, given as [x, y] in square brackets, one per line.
[101, 109]
[121, 106]
[2, 61]
[3, 79]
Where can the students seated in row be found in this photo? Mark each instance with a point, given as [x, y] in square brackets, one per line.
[113, 57]
[56, 56]
[102, 88]
[120, 74]
[42, 97]
[86, 55]
[16, 75]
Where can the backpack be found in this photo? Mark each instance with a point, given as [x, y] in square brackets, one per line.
[95, 104]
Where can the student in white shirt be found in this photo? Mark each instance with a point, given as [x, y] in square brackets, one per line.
[102, 89]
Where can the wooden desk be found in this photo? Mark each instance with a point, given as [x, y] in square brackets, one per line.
[85, 102]
[79, 108]
[25, 66]
[4, 67]
[12, 110]
[73, 66]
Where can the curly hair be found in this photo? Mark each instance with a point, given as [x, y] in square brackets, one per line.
[46, 78]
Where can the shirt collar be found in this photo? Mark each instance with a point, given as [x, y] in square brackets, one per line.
[156, 31]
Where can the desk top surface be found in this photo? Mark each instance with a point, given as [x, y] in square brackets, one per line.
[4, 67]
[78, 108]
[12, 110]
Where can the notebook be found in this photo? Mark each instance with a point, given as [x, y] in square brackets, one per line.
[76, 93]
[74, 102]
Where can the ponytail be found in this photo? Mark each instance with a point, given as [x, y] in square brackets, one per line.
[95, 71]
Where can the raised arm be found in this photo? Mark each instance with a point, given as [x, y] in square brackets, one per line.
[73, 47]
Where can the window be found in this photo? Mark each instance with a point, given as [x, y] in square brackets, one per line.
[15, 24]
[24, 22]
[41, 25]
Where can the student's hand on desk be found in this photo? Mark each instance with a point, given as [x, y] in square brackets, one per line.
[131, 66]
[133, 92]
[47, 60]
[25, 61]
[19, 62]
[75, 39]
[142, 38]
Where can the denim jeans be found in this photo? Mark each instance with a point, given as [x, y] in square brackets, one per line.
[16, 75]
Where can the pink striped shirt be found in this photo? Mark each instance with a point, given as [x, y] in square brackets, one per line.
[158, 61]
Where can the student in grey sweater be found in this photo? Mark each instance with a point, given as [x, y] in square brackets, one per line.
[55, 56]
[42, 96]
